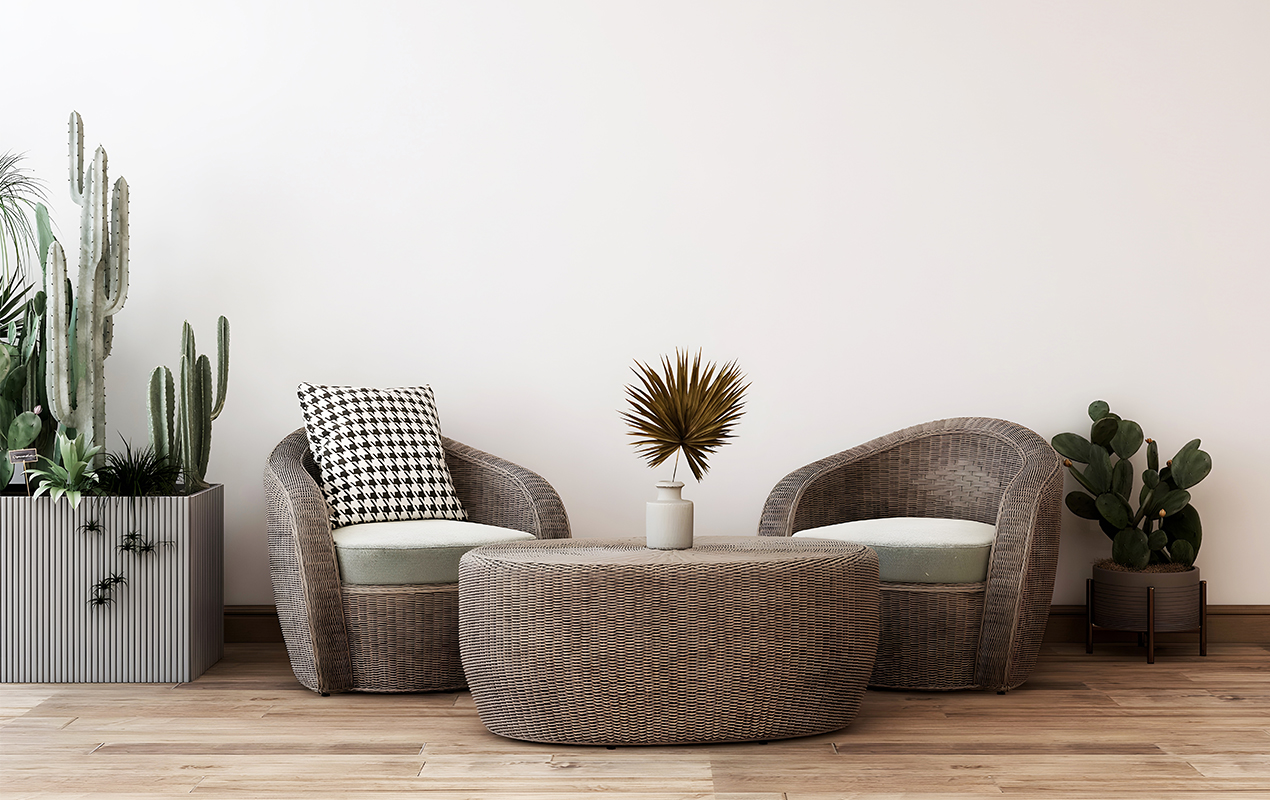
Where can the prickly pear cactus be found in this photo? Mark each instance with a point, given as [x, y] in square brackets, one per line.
[1164, 527]
[80, 325]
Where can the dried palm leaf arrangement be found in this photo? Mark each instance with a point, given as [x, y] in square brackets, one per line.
[686, 408]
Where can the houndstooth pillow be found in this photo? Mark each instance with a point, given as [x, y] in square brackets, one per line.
[380, 454]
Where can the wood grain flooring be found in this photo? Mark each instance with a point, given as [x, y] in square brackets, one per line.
[1106, 725]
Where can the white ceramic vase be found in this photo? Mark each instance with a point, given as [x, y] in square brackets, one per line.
[668, 525]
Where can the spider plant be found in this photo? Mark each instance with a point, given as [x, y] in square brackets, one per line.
[686, 408]
[138, 473]
[74, 477]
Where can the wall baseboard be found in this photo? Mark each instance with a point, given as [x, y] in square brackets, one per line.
[251, 624]
[1242, 624]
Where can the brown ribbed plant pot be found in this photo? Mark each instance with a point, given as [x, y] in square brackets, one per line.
[1148, 603]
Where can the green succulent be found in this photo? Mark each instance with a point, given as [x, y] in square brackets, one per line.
[1164, 527]
[18, 429]
[74, 477]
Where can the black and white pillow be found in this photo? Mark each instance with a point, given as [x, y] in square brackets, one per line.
[380, 453]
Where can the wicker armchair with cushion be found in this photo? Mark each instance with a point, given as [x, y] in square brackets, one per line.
[382, 638]
[975, 633]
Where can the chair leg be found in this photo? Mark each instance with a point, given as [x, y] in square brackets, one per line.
[1150, 624]
[1203, 618]
[1089, 615]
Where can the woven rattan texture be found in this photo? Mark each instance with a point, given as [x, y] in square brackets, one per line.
[606, 642]
[302, 567]
[497, 492]
[404, 637]
[948, 650]
[986, 470]
[327, 629]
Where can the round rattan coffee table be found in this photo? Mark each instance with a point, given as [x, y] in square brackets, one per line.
[605, 642]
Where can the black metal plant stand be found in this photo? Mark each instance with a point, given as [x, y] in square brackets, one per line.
[1149, 633]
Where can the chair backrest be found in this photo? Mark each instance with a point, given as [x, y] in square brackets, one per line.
[955, 468]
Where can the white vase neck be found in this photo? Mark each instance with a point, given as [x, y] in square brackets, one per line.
[670, 490]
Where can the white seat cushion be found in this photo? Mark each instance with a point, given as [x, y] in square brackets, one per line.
[919, 549]
[411, 551]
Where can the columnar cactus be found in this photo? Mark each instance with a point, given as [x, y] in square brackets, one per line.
[188, 439]
[1163, 500]
[80, 327]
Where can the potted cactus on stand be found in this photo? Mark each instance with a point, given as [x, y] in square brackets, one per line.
[1150, 584]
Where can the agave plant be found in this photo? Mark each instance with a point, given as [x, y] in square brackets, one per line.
[685, 408]
[74, 477]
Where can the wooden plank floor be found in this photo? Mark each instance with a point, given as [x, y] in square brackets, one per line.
[1100, 726]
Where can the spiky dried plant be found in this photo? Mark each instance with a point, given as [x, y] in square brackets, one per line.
[686, 408]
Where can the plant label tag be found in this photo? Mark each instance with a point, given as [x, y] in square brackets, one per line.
[26, 456]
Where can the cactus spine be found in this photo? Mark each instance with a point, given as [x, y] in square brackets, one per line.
[80, 326]
[189, 441]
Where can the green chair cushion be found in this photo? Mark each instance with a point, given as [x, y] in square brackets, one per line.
[411, 551]
[919, 549]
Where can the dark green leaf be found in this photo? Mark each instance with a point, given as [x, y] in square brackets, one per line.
[1099, 470]
[1103, 431]
[1108, 529]
[1082, 480]
[1098, 409]
[1191, 466]
[1157, 540]
[1185, 525]
[1173, 502]
[1114, 509]
[1128, 438]
[1073, 446]
[1082, 505]
[1130, 549]
[1122, 479]
[1181, 552]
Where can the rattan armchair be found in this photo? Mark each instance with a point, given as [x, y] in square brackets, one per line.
[947, 636]
[381, 638]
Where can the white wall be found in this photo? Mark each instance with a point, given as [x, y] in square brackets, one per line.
[886, 212]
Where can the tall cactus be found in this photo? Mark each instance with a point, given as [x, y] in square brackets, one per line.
[80, 326]
[187, 440]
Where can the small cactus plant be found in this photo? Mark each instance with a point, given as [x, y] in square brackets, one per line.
[181, 428]
[1163, 501]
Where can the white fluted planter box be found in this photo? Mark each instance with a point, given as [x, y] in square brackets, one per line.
[165, 626]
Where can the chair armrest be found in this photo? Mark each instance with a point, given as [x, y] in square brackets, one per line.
[1021, 573]
[495, 491]
[303, 569]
